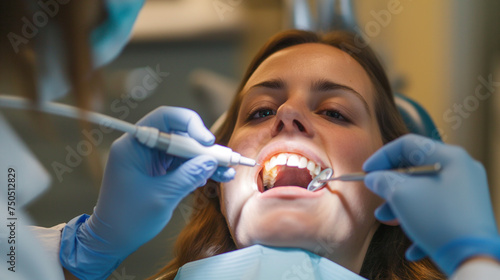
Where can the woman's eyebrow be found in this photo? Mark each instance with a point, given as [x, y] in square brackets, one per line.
[326, 85]
[272, 84]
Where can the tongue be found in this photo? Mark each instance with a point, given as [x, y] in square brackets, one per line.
[293, 176]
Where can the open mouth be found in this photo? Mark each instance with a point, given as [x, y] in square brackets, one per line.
[287, 169]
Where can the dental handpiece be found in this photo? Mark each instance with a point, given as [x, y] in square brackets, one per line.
[326, 175]
[173, 144]
[186, 147]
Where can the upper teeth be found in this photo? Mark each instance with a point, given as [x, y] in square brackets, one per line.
[270, 172]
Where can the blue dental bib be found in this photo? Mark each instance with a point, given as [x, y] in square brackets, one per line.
[261, 262]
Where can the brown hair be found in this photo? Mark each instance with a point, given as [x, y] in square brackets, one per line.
[207, 233]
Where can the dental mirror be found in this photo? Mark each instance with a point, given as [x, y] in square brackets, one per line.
[327, 175]
[318, 181]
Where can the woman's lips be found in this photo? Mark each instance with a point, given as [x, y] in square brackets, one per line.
[290, 192]
[287, 146]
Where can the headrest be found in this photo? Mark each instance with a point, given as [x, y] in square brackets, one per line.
[417, 120]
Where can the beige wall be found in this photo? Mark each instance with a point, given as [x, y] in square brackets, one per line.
[437, 52]
[414, 46]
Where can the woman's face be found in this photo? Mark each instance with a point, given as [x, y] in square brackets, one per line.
[305, 108]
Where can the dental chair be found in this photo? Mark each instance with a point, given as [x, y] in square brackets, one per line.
[417, 120]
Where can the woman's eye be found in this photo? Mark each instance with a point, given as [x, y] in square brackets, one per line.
[261, 113]
[334, 114]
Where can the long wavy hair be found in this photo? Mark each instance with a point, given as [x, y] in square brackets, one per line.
[207, 233]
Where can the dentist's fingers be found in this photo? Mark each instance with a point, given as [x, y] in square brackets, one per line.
[190, 175]
[382, 183]
[223, 174]
[169, 119]
[384, 214]
[407, 150]
[415, 253]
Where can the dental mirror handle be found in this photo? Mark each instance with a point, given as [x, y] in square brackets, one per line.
[412, 170]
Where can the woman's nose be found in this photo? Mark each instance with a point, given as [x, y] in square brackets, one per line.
[292, 120]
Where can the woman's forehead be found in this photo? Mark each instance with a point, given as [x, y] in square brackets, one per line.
[307, 63]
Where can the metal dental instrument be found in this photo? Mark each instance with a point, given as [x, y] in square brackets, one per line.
[326, 175]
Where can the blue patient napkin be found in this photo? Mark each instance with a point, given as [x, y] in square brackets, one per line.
[261, 262]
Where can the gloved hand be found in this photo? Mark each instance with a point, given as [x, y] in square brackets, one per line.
[140, 190]
[448, 215]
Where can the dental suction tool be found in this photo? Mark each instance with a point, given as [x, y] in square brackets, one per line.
[173, 144]
[326, 175]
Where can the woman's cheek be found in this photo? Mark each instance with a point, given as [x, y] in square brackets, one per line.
[238, 190]
[350, 152]
[246, 140]
[240, 138]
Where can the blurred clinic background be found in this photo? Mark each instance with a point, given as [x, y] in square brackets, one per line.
[443, 54]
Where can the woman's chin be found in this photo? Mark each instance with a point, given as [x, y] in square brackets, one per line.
[281, 228]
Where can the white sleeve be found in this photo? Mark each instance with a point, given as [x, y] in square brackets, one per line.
[50, 241]
[477, 270]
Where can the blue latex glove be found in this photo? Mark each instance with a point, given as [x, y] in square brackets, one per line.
[139, 192]
[448, 216]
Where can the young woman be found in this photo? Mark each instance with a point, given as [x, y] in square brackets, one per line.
[306, 102]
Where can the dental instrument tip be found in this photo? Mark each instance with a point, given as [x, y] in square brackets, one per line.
[248, 162]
